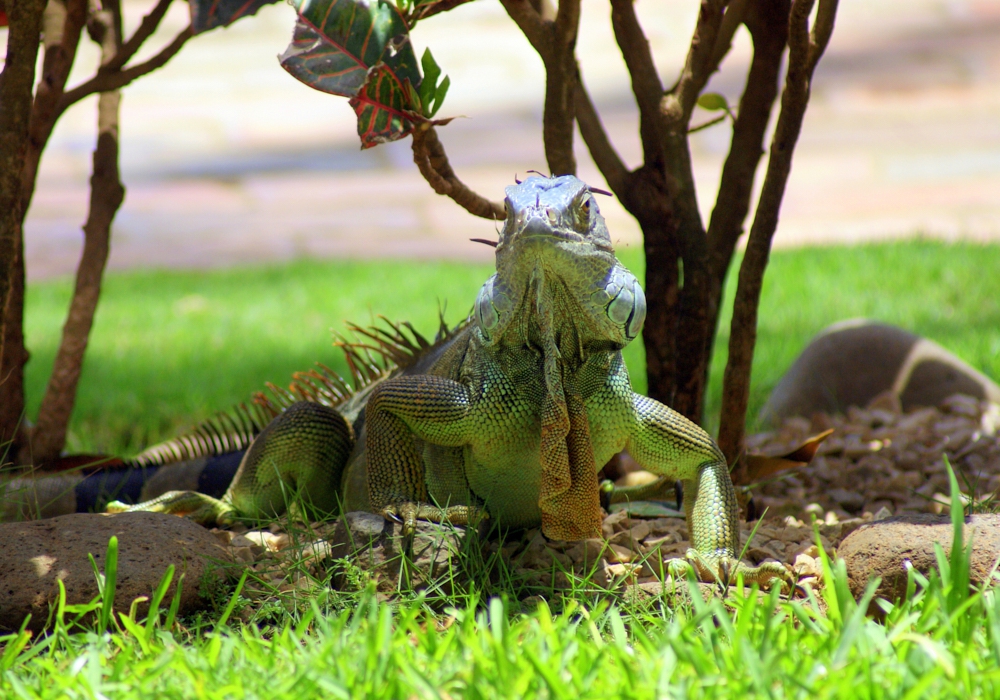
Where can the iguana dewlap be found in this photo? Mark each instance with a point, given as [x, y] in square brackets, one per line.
[511, 417]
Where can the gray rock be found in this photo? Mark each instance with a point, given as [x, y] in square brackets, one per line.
[852, 362]
[38, 553]
[881, 548]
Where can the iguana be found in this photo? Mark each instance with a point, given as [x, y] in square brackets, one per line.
[507, 417]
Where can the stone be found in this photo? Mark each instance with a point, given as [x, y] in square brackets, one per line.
[855, 362]
[882, 547]
[37, 554]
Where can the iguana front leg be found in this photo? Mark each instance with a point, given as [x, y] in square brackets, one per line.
[665, 442]
[426, 407]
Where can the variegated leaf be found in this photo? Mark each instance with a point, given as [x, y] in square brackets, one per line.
[209, 14]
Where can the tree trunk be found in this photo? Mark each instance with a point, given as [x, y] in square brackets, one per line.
[62, 23]
[16, 80]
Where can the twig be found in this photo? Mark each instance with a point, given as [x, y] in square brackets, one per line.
[146, 28]
[432, 162]
[678, 103]
[106, 81]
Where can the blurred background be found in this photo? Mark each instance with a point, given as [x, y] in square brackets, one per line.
[229, 160]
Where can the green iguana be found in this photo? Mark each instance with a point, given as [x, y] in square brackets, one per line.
[508, 417]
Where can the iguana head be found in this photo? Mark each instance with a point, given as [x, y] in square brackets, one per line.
[555, 250]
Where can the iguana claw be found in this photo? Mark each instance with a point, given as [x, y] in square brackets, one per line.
[409, 512]
[726, 570]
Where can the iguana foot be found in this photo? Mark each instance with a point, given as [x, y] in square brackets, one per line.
[195, 506]
[410, 512]
[726, 570]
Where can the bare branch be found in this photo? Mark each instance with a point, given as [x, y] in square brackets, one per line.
[146, 28]
[731, 21]
[425, 11]
[555, 41]
[530, 22]
[646, 85]
[106, 81]
[821, 32]
[768, 25]
[106, 196]
[431, 160]
[677, 104]
[63, 24]
[601, 150]
[802, 59]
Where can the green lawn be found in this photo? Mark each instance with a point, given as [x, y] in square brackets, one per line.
[170, 348]
[942, 643]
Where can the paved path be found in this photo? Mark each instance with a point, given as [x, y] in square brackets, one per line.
[227, 159]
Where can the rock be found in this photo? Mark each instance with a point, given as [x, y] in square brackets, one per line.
[880, 548]
[852, 362]
[36, 554]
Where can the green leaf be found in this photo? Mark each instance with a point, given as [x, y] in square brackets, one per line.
[209, 14]
[432, 94]
[712, 101]
[431, 74]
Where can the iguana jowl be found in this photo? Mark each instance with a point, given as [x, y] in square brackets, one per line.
[511, 417]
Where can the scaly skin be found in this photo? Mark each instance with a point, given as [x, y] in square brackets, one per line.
[512, 417]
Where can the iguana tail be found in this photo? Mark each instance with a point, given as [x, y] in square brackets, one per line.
[205, 458]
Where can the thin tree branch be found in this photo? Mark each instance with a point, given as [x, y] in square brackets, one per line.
[768, 24]
[802, 60]
[601, 150]
[537, 30]
[678, 103]
[560, 90]
[106, 196]
[107, 81]
[62, 26]
[646, 85]
[146, 28]
[432, 162]
[731, 21]
[555, 42]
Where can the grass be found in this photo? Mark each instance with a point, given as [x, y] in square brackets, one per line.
[170, 348]
[942, 642]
